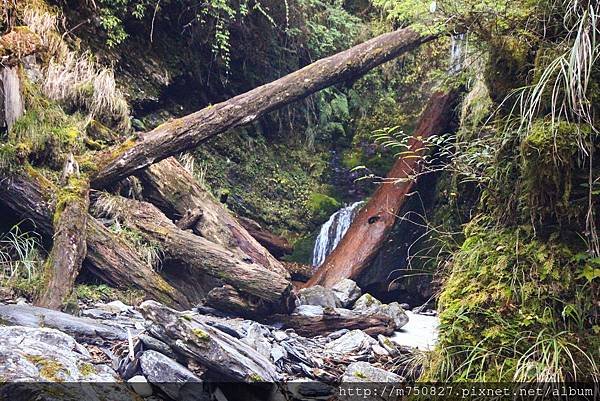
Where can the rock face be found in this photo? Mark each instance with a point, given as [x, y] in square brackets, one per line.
[170, 376]
[347, 292]
[368, 304]
[365, 372]
[48, 355]
[319, 296]
[83, 329]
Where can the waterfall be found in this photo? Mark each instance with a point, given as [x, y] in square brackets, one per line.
[332, 232]
[457, 53]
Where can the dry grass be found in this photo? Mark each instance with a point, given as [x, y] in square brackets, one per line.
[76, 80]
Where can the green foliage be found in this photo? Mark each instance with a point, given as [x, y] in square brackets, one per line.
[507, 297]
[322, 206]
[303, 249]
[101, 292]
[20, 261]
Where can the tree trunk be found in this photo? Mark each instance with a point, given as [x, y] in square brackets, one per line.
[370, 228]
[228, 299]
[277, 246]
[315, 325]
[188, 132]
[108, 257]
[69, 244]
[176, 192]
[184, 248]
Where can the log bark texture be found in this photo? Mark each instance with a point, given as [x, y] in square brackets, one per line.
[277, 246]
[69, 245]
[229, 300]
[188, 132]
[176, 192]
[370, 228]
[29, 196]
[314, 325]
[184, 248]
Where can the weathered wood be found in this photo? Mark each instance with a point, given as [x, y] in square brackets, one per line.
[28, 195]
[11, 98]
[370, 228]
[188, 132]
[197, 253]
[69, 244]
[197, 341]
[277, 246]
[229, 300]
[176, 192]
[310, 325]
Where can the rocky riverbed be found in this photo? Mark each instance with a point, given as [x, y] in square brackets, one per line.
[157, 353]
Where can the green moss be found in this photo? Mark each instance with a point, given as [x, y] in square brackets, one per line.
[302, 251]
[87, 369]
[509, 293]
[255, 378]
[49, 369]
[201, 334]
[322, 206]
[360, 375]
[102, 292]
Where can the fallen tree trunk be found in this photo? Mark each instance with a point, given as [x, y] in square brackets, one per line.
[195, 340]
[69, 244]
[229, 300]
[28, 196]
[336, 319]
[197, 253]
[277, 246]
[370, 228]
[176, 192]
[188, 132]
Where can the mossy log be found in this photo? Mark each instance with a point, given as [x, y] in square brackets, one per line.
[69, 245]
[184, 248]
[188, 132]
[28, 195]
[195, 340]
[370, 228]
[176, 192]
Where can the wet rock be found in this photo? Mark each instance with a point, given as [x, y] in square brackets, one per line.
[278, 353]
[365, 372]
[46, 354]
[379, 350]
[347, 292]
[317, 295]
[171, 377]
[114, 307]
[395, 311]
[83, 329]
[279, 335]
[405, 306]
[337, 334]
[140, 385]
[308, 310]
[387, 344]
[151, 343]
[355, 341]
[256, 337]
[367, 303]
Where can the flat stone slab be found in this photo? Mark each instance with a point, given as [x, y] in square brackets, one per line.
[420, 332]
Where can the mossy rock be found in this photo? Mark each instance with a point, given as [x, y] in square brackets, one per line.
[322, 206]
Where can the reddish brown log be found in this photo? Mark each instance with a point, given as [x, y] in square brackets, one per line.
[370, 228]
[277, 246]
[188, 132]
[330, 321]
[176, 193]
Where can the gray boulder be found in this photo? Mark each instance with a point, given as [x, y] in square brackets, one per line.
[395, 311]
[317, 295]
[140, 385]
[347, 292]
[354, 341]
[365, 372]
[367, 303]
[174, 379]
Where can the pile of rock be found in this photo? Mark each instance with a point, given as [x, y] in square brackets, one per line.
[168, 355]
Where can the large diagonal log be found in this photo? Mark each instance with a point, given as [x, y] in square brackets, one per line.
[370, 228]
[28, 195]
[188, 132]
[181, 247]
[170, 187]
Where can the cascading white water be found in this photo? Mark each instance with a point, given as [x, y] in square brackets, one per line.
[457, 52]
[332, 232]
